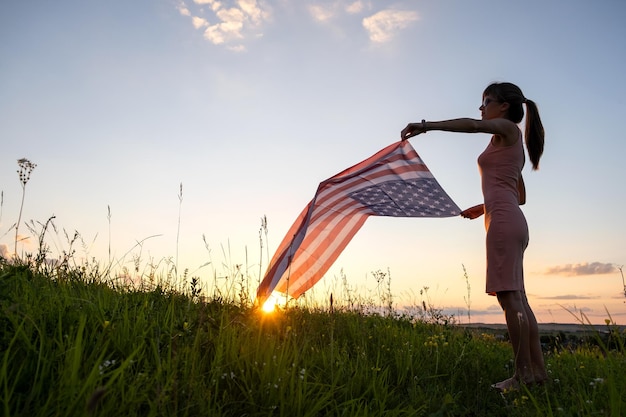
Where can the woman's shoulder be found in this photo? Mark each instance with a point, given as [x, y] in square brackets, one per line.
[508, 137]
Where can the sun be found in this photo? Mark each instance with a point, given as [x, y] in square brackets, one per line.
[270, 305]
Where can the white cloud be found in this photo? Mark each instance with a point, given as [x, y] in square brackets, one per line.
[182, 9]
[232, 22]
[586, 268]
[321, 13]
[237, 48]
[214, 35]
[382, 26]
[252, 10]
[567, 297]
[355, 7]
[199, 22]
[235, 23]
[230, 27]
[215, 5]
[232, 18]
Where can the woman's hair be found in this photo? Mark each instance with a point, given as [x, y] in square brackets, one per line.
[510, 93]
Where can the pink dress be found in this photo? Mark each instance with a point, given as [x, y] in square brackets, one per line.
[507, 230]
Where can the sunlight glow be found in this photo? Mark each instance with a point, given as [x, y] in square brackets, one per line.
[270, 305]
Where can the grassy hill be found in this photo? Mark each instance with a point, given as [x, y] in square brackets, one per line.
[73, 344]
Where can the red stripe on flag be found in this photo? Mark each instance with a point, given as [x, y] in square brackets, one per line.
[328, 223]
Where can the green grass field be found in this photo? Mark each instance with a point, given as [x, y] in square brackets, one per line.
[73, 344]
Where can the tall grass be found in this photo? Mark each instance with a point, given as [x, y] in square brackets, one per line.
[80, 339]
[74, 345]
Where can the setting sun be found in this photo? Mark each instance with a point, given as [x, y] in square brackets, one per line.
[270, 305]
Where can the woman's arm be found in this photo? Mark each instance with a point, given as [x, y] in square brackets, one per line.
[474, 212]
[502, 127]
[521, 190]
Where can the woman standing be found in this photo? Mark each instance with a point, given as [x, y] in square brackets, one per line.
[507, 232]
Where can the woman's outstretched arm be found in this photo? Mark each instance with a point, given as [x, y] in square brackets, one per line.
[503, 127]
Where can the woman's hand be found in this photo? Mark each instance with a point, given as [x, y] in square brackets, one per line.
[474, 212]
[413, 129]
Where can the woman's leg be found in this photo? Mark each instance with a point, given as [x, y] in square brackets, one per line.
[518, 325]
[536, 354]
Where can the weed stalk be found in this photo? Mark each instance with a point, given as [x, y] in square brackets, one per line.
[26, 168]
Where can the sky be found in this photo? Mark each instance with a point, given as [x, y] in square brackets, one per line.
[248, 105]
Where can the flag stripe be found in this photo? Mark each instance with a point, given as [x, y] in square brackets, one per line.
[311, 272]
[394, 179]
[318, 245]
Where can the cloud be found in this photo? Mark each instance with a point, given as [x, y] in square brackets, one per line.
[234, 22]
[593, 268]
[326, 12]
[382, 26]
[229, 28]
[199, 22]
[237, 48]
[322, 13]
[567, 297]
[252, 10]
[355, 7]
[183, 10]
[231, 22]
[214, 4]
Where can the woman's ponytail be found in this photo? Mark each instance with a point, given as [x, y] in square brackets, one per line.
[534, 133]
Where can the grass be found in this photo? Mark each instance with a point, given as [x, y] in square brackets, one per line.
[74, 344]
[78, 339]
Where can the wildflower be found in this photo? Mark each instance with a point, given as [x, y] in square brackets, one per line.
[106, 324]
[26, 167]
[106, 364]
[185, 326]
[596, 381]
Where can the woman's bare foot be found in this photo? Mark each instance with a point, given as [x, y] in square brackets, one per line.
[511, 384]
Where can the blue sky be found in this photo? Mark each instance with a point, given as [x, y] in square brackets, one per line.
[251, 104]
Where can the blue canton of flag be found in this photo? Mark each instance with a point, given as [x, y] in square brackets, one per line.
[407, 198]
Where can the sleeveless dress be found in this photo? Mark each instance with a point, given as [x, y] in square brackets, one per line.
[507, 230]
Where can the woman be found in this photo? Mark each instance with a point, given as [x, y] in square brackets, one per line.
[507, 232]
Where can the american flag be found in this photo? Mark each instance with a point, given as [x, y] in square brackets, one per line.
[394, 182]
